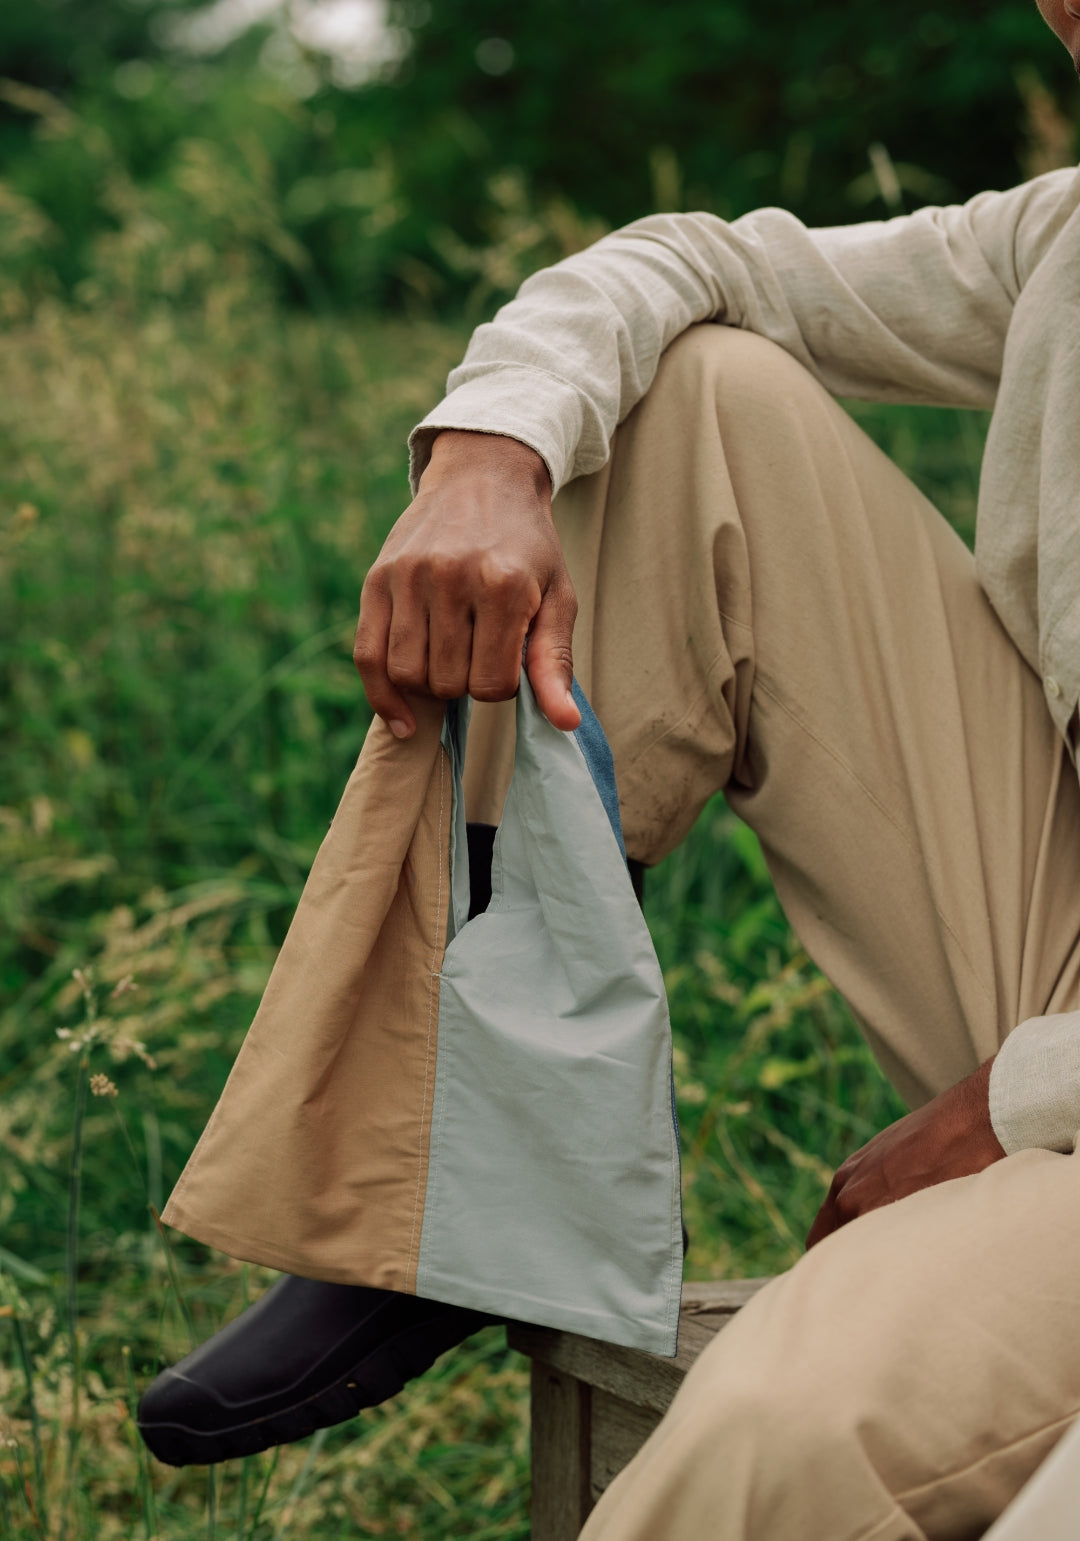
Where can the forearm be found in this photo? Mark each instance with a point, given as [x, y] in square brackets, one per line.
[915, 309]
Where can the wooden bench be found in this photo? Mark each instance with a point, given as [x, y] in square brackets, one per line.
[594, 1404]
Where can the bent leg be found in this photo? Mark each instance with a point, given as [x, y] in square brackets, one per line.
[770, 607]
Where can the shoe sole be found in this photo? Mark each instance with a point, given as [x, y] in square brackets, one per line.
[374, 1379]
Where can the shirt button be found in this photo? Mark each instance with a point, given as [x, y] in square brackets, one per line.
[1052, 686]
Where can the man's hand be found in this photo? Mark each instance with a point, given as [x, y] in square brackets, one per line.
[949, 1137]
[472, 566]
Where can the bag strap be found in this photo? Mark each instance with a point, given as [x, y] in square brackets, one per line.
[593, 744]
[591, 741]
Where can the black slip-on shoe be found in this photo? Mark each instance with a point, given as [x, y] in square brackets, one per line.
[305, 1356]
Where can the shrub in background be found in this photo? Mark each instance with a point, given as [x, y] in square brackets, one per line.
[592, 111]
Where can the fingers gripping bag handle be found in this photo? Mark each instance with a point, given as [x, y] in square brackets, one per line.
[477, 1111]
[553, 1174]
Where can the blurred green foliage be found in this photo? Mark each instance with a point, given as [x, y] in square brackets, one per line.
[563, 115]
[193, 478]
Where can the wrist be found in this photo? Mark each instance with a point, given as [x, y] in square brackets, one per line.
[976, 1105]
[456, 452]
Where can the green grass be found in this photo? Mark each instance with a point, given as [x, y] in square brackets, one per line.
[187, 505]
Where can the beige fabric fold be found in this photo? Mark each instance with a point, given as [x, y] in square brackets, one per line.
[315, 1159]
[1047, 1507]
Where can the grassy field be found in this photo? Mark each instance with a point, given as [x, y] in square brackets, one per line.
[189, 500]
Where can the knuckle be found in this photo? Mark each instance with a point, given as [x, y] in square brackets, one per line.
[446, 570]
[367, 658]
[405, 674]
[497, 576]
[410, 569]
[832, 1195]
[376, 584]
[447, 673]
[847, 1206]
[445, 688]
[494, 687]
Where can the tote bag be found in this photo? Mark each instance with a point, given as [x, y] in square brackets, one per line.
[475, 1111]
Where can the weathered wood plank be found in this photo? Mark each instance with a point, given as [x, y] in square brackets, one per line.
[619, 1429]
[703, 1295]
[561, 1489]
[647, 1380]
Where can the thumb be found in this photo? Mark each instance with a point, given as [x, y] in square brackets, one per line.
[549, 656]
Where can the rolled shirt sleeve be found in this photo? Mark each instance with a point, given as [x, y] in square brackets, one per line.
[911, 309]
[1035, 1085]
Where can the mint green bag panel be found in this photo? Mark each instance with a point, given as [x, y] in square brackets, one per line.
[553, 1189]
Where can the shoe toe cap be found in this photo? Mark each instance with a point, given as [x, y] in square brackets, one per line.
[169, 1399]
[174, 1417]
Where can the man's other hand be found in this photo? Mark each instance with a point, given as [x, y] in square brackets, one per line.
[471, 568]
[949, 1137]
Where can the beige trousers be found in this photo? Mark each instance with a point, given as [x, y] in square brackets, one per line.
[768, 606]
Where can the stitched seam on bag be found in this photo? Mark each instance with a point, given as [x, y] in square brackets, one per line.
[883, 810]
[675, 1265]
[1013, 1444]
[410, 1266]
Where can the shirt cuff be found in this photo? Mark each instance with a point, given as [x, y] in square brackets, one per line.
[517, 401]
[1035, 1085]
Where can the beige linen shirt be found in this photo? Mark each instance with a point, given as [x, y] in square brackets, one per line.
[965, 306]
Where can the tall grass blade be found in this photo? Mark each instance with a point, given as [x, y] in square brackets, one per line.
[28, 1497]
[20, 1269]
[145, 1182]
[211, 1504]
[270, 1470]
[242, 1498]
[146, 1488]
[5, 1509]
[300, 1484]
[152, 1138]
[27, 1365]
[245, 1464]
[174, 1277]
[71, 1269]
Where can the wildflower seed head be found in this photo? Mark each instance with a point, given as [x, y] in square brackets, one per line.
[121, 1048]
[101, 1086]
